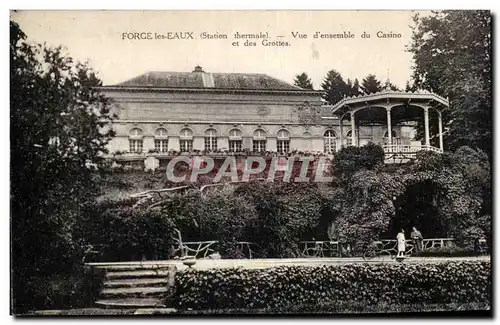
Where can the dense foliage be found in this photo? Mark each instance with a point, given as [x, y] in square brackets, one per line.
[57, 133]
[376, 202]
[443, 195]
[285, 286]
[336, 88]
[452, 55]
[276, 217]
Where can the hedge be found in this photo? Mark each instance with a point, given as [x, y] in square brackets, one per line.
[285, 286]
[349, 308]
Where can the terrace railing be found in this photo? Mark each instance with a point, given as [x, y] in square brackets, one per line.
[338, 249]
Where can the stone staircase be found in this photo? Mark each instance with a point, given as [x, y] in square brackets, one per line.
[135, 285]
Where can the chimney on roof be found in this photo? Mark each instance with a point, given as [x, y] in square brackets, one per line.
[198, 69]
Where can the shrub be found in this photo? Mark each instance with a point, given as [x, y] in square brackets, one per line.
[120, 232]
[284, 286]
[454, 251]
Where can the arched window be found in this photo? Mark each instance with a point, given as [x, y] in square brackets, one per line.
[135, 140]
[259, 140]
[283, 142]
[161, 133]
[186, 140]
[235, 140]
[136, 132]
[235, 133]
[186, 133]
[211, 140]
[330, 140]
[161, 140]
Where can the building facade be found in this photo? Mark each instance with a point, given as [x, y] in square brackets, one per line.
[161, 114]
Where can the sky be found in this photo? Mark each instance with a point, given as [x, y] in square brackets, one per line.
[97, 37]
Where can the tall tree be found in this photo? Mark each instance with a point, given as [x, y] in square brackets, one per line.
[390, 86]
[353, 88]
[371, 84]
[452, 56]
[334, 86]
[303, 81]
[410, 87]
[58, 131]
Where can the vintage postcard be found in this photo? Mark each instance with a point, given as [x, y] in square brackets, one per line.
[250, 162]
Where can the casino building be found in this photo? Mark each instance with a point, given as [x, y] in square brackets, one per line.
[163, 114]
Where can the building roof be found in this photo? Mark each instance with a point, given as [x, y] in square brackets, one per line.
[198, 79]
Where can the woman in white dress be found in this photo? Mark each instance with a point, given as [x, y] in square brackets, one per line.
[401, 243]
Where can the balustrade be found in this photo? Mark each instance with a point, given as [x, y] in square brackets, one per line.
[402, 148]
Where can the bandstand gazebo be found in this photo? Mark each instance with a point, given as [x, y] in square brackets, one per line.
[392, 108]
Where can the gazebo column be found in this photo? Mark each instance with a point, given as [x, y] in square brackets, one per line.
[440, 119]
[353, 129]
[426, 122]
[389, 126]
[341, 133]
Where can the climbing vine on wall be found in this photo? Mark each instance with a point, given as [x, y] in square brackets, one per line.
[366, 206]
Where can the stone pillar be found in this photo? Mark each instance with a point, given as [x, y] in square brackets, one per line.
[318, 144]
[247, 143]
[296, 144]
[353, 129]
[389, 125]
[341, 133]
[271, 144]
[441, 146]
[173, 143]
[426, 122]
[223, 143]
[306, 144]
[148, 143]
[198, 143]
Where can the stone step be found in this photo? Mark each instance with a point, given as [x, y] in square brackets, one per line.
[137, 274]
[131, 303]
[135, 282]
[133, 292]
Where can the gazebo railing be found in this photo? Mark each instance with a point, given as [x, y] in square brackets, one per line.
[403, 148]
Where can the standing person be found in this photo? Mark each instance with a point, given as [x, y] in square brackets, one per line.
[418, 239]
[401, 243]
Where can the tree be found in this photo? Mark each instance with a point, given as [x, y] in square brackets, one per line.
[353, 88]
[371, 84]
[303, 81]
[351, 159]
[452, 55]
[410, 87]
[334, 86]
[389, 85]
[58, 132]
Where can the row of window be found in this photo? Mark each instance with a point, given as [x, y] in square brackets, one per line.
[136, 145]
[235, 142]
